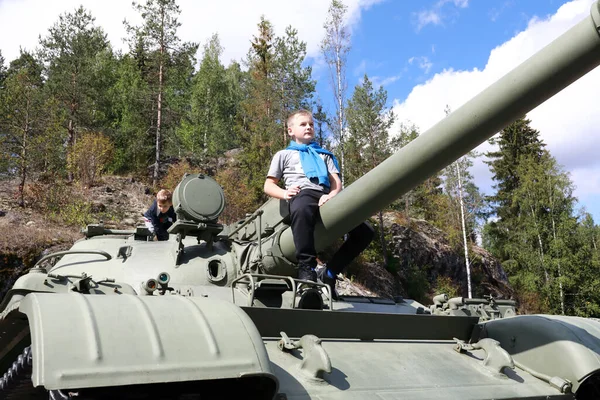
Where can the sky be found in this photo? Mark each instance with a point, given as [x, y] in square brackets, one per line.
[425, 53]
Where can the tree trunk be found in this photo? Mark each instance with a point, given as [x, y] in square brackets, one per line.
[340, 100]
[23, 164]
[206, 126]
[560, 286]
[159, 101]
[382, 240]
[539, 238]
[70, 146]
[464, 230]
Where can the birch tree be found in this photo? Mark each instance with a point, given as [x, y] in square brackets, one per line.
[335, 47]
[466, 202]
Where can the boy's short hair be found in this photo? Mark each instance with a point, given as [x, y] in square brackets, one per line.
[164, 195]
[301, 111]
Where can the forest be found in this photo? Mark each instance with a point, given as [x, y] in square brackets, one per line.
[74, 109]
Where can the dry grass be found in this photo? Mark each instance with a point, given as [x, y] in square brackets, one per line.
[25, 232]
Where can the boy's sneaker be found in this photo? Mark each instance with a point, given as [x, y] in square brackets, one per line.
[323, 277]
[307, 273]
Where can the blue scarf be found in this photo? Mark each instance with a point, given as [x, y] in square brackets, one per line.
[312, 164]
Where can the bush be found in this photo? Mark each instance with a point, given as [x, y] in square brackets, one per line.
[417, 284]
[444, 284]
[60, 203]
[91, 154]
[78, 213]
[175, 174]
[238, 200]
[48, 198]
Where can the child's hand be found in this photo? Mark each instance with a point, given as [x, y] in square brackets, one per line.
[324, 199]
[291, 192]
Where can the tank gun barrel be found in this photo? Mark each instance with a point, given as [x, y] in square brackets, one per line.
[560, 63]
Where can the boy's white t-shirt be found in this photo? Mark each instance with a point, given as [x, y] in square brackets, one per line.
[286, 164]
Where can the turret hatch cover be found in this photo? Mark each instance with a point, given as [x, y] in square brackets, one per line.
[200, 197]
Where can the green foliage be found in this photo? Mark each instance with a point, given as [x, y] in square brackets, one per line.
[516, 141]
[295, 88]
[543, 247]
[425, 200]
[444, 284]
[90, 156]
[2, 70]
[271, 90]
[130, 111]
[71, 52]
[166, 66]
[206, 131]
[30, 139]
[59, 203]
[368, 123]
[417, 284]
[77, 213]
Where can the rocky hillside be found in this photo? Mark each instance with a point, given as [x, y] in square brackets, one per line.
[423, 262]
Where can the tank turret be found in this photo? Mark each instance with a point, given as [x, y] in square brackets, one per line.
[216, 311]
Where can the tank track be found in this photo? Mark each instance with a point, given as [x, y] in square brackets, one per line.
[16, 382]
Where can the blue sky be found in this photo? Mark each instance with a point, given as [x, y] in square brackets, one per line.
[391, 34]
[426, 53]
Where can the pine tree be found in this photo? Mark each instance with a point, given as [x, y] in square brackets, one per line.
[2, 70]
[259, 132]
[516, 141]
[426, 199]
[29, 122]
[368, 143]
[546, 228]
[70, 52]
[321, 121]
[131, 105]
[406, 134]
[206, 130]
[294, 84]
[168, 61]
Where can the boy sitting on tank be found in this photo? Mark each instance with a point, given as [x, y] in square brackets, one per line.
[311, 177]
[161, 215]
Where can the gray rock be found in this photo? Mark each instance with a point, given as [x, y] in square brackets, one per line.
[128, 221]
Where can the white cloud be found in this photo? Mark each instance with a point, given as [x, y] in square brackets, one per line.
[384, 81]
[434, 15]
[461, 3]
[568, 122]
[422, 62]
[428, 17]
[22, 21]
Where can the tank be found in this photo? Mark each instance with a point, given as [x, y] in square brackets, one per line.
[217, 312]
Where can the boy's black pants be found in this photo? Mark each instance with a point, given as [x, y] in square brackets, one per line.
[304, 213]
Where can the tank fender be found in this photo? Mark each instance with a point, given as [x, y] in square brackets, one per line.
[82, 341]
[556, 346]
